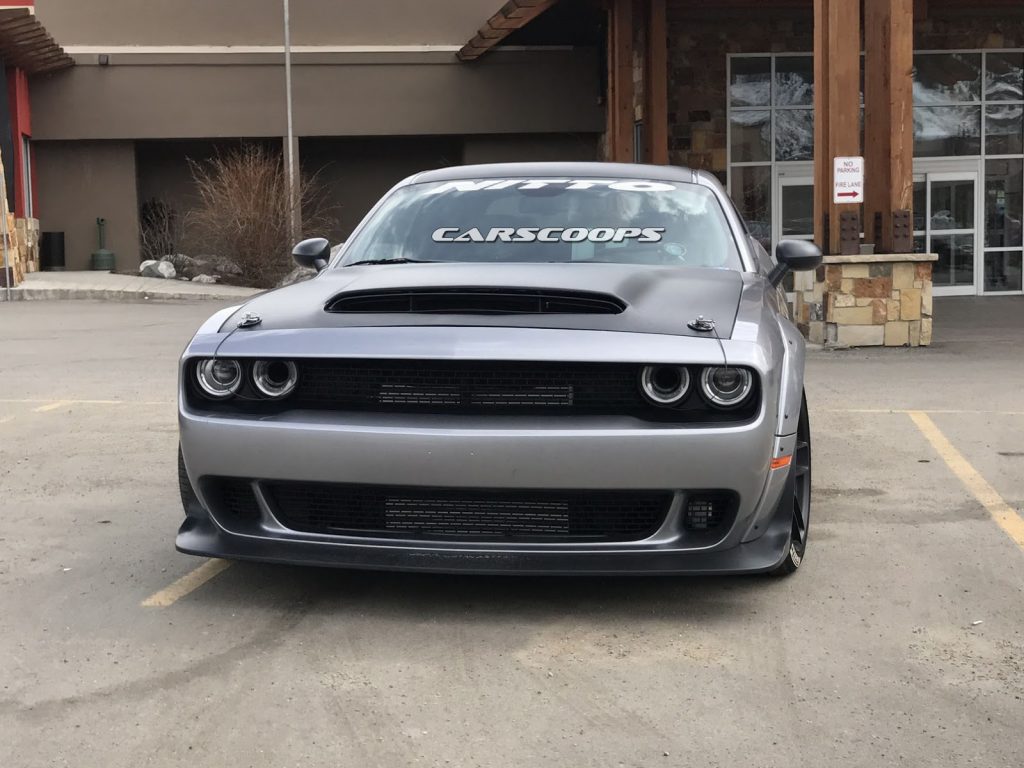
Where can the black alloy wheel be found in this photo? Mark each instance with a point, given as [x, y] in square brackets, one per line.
[797, 496]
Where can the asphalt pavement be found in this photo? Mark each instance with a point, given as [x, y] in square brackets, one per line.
[899, 642]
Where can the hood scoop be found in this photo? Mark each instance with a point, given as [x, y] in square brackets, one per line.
[476, 301]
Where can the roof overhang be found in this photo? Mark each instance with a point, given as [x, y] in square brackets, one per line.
[25, 43]
[510, 17]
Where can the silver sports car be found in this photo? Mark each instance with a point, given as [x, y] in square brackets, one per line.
[525, 368]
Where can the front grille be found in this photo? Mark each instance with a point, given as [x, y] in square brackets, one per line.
[459, 386]
[487, 387]
[474, 515]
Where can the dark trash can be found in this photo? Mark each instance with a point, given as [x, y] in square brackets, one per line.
[51, 252]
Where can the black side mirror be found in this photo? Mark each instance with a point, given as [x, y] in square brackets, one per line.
[313, 253]
[795, 255]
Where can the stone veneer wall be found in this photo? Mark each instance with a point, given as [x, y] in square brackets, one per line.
[869, 301]
[701, 37]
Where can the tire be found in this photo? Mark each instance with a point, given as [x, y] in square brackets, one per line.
[797, 497]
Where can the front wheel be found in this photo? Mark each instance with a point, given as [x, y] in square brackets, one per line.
[797, 496]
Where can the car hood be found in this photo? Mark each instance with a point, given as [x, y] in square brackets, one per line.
[651, 299]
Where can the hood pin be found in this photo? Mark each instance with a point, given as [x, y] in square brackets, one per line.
[701, 324]
[249, 320]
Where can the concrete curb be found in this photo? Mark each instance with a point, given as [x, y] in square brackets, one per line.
[97, 294]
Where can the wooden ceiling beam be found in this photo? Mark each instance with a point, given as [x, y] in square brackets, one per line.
[514, 15]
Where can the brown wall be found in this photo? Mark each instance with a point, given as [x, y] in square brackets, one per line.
[530, 148]
[259, 22]
[80, 181]
[508, 92]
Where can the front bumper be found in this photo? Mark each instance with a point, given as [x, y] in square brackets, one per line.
[511, 453]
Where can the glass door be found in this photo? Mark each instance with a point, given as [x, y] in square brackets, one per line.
[946, 224]
[794, 218]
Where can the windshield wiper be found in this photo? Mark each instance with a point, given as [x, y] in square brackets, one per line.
[389, 261]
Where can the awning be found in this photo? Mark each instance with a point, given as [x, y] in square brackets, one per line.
[512, 15]
[25, 43]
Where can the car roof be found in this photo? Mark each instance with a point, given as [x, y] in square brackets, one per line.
[571, 170]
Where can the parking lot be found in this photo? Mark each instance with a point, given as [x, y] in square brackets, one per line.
[900, 641]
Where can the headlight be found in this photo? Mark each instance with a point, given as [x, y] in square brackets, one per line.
[664, 384]
[219, 378]
[275, 378]
[726, 387]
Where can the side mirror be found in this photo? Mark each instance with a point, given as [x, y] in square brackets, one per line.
[795, 255]
[313, 253]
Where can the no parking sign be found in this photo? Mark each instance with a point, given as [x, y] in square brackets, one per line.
[848, 180]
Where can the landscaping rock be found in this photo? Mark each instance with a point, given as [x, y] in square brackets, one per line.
[154, 268]
[185, 266]
[218, 265]
[208, 279]
[297, 275]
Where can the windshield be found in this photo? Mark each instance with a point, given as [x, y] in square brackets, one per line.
[549, 220]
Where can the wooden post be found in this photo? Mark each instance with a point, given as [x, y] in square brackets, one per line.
[656, 87]
[620, 82]
[836, 114]
[888, 123]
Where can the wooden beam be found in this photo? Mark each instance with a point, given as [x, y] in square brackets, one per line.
[619, 140]
[656, 87]
[836, 111]
[511, 16]
[888, 119]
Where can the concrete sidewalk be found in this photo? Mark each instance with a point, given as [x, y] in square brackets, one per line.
[113, 287]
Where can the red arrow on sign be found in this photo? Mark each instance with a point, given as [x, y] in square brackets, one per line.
[847, 194]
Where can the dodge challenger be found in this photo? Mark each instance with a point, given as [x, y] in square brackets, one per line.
[516, 368]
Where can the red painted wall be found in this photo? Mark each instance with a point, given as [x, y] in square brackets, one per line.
[21, 126]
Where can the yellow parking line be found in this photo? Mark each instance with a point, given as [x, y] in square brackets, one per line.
[1004, 515]
[51, 406]
[187, 584]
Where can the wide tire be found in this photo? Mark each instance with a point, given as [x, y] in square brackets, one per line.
[796, 497]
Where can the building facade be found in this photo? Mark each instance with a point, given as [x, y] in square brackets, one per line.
[929, 91]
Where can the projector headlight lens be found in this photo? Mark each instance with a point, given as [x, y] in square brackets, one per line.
[275, 378]
[664, 384]
[726, 387]
[219, 378]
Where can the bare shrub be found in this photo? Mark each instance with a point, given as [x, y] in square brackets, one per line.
[161, 229]
[243, 212]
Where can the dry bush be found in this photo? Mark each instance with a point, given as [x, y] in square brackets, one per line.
[243, 211]
[161, 229]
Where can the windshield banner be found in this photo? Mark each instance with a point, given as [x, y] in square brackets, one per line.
[549, 235]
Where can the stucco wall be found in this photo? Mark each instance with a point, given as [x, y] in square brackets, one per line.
[259, 22]
[78, 182]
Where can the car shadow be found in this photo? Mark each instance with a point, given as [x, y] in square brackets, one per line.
[401, 595]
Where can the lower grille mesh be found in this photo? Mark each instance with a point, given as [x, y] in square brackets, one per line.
[468, 514]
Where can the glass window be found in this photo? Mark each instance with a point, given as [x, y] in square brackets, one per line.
[1003, 271]
[797, 210]
[750, 136]
[794, 134]
[947, 131]
[794, 81]
[750, 81]
[956, 260]
[1004, 207]
[946, 78]
[752, 192]
[920, 204]
[952, 205]
[1004, 129]
[1004, 76]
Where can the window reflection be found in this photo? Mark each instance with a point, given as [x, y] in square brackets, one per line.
[1003, 271]
[952, 205]
[752, 192]
[1004, 129]
[750, 81]
[944, 78]
[794, 134]
[1004, 76]
[794, 81]
[947, 131]
[956, 260]
[1004, 206]
[751, 135]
